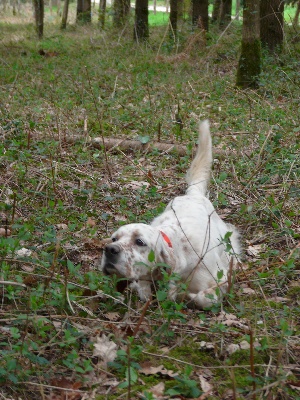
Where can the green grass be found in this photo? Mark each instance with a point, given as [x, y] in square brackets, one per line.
[58, 201]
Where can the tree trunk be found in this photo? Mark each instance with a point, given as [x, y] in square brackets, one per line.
[65, 14]
[271, 24]
[200, 14]
[84, 14]
[173, 16]
[141, 26]
[102, 11]
[167, 5]
[39, 17]
[249, 65]
[216, 11]
[237, 9]
[296, 18]
[225, 12]
[121, 11]
[154, 7]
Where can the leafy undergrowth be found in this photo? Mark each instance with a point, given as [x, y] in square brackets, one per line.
[66, 331]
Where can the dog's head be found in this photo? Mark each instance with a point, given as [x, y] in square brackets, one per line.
[128, 254]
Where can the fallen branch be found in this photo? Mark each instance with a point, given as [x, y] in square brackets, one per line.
[131, 146]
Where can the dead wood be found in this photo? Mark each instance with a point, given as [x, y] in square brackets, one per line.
[131, 146]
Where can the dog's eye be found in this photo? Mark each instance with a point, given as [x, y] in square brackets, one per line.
[140, 242]
[114, 239]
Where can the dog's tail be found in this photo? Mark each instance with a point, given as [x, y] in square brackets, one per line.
[198, 174]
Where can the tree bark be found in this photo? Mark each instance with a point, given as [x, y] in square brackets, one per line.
[39, 17]
[225, 12]
[216, 11]
[271, 24]
[167, 5]
[249, 65]
[141, 26]
[237, 9]
[102, 11]
[65, 14]
[200, 14]
[84, 14]
[121, 11]
[173, 16]
[296, 18]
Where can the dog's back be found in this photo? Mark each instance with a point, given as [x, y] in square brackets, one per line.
[198, 174]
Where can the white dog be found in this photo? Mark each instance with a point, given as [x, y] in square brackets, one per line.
[188, 236]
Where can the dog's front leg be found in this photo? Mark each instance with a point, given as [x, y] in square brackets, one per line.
[143, 288]
[173, 291]
[207, 298]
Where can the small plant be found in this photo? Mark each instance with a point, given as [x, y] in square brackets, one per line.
[184, 385]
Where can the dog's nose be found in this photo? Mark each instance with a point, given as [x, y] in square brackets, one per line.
[112, 249]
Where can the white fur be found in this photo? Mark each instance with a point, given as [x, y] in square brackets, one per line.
[195, 231]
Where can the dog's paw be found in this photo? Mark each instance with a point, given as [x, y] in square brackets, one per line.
[204, 299]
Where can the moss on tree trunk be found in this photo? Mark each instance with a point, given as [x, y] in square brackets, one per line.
[249, 64]
[141, 27]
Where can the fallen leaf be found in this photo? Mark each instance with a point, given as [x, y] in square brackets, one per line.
[205, 385]
[136, 185]
[243, 345]
[158, 391]
[62, 227]
[5, 232]
[247, 290]
[254, 250]
[90, 222]
[60, 394]
[150, 370]
[278, 299]
[105, 348]
[232, 348]
[207, 345]
[112, 316]
[23, 252]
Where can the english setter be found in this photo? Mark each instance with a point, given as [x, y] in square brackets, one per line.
[189, 237]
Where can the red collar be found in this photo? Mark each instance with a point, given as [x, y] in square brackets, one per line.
[166, 238]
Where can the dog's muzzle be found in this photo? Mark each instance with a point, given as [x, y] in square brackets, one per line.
[111, 254]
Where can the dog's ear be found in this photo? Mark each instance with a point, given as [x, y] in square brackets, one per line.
[164, 256]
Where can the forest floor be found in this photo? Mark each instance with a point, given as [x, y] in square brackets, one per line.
[67, 331]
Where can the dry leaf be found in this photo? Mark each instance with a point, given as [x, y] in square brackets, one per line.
[205, 385]
[158, 391]
[207, 345]
[62, 227]
[232, 348]
[244, 345]
[150, 370]
[254, 250]
[23, 252]
[61, 394]
[278, 299]
[112, 316]
[247, 290]
[136, 185]
[105, 349]
[90, 222]
[5, 232]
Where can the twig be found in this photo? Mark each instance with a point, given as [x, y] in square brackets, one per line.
[100, 124]
[11, 283]
[252, 363]
[141, 318]
[201, 366]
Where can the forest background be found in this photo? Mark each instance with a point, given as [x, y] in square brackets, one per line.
[98, 124]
